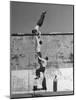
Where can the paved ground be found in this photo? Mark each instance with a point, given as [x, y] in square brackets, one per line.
[22, 81]
[42, 94]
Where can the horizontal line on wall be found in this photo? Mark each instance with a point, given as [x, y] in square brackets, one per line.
[44, 34]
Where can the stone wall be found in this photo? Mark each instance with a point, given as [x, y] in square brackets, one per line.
[59, 49]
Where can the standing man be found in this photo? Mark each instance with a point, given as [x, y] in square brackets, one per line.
[42, 65]
[42, 69]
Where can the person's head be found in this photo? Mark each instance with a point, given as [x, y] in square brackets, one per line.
[40, 42]
[46, 58]
[34, 31]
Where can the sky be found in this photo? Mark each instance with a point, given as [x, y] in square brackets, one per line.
[24, 16]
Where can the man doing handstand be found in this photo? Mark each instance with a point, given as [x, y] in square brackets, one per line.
[39, 23]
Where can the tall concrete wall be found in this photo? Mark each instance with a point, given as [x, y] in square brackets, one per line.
[58, 48]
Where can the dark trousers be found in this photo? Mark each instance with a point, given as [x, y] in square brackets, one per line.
[40, 21]
[44, 84]
[41, 69]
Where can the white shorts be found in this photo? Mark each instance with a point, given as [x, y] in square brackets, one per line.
[36, 27]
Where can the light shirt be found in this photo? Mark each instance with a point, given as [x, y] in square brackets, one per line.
[38, 48]
[44, 62]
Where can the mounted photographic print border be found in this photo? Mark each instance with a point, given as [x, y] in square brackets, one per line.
[41, 49]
